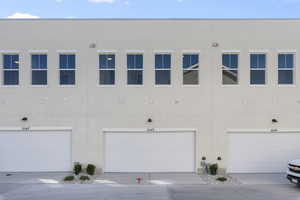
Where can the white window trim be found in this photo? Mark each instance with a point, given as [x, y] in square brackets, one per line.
[39, 53]
[106, 69]
[294, 53]
[18, 70]
[67, 69]
[70, 51]
[163, 52]
[190, 52]
[106, 51]
[258, 69]
[233, 52]
[127, 69]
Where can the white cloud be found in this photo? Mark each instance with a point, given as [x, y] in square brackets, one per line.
[101, 1]
[22, 16]
[179, 1]
[59, 1]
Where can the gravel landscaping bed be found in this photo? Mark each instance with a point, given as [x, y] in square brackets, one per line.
[209, 179]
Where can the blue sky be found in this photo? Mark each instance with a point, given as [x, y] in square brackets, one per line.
[150, 8]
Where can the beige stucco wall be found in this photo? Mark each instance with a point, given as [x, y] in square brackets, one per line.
[210, 107]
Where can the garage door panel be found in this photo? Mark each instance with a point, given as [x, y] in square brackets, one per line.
[38, 151]
[264, 153]
[144, 152]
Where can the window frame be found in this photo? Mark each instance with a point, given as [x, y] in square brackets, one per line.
[39, 53]
[67, 69]
[293, 69]
[106, 69]
[265, 69]
[182, 68]
[135, 69]
[238, 53]
[163, 69]
[10, 53]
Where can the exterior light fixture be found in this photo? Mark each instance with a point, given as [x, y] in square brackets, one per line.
[149, 120]
[24, 119]
[274, 121]
[215, 44]
[219, 158]
[92, 45]
[203, 158]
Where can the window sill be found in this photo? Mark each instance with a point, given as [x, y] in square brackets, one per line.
[163, 86]
[133, 86]
[106, 86]
[10, 86]
[286, 85]
[39, 86]
[67, 86]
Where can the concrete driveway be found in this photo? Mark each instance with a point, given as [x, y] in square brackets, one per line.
[155, 186]
[147, 192]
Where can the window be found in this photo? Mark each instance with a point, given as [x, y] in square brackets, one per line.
[190, 66]
[11, 69]
[257, 69]
[67, 69]
[162, 69]
[135, 69]
[285, 68]
[39, 69]
[107, 69]
[230, 69]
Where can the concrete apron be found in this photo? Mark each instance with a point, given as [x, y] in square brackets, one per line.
[106, 178]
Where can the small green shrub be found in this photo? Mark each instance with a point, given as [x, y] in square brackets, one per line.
[90, 169]
[69, 178]
[213, 169]
[222, 179]
[77, 168]
[84, 178]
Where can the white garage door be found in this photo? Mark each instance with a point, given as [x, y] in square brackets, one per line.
[150, 152]
[265, 153]
[35, 151]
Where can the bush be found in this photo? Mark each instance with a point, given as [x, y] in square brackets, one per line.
[77, 168]
[222, 179]
[84, 178]
[213, 169]
[69, 178]
[90, 169]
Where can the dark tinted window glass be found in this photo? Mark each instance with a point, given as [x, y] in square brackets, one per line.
[139, 61]
[229, 77]
[67, 77]
[162, 77]
[257, 77]
[190, 77]
[67, 61]
[257, 61]
[158, 61]
[285, 77]
[107, 77]
[135, 77]
[39, 77]
[107, 61]
[162, 61]
[11, 77]
[43, 61]
[285, 61]
[39, 61]
[63, 60]
[190, 61]
[11, 61]
[230, 60]
[135, 61]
